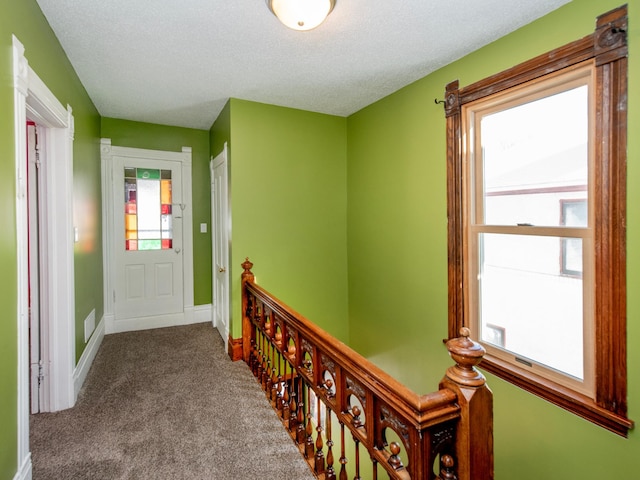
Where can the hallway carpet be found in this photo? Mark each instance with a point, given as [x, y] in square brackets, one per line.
[166, 404]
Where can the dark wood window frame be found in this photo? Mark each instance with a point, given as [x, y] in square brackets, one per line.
[608, 47]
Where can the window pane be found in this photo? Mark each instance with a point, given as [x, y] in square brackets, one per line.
[147, 208]
[526, 306]
[534, 154]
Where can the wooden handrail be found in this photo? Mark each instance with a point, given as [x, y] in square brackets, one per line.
[304, 370]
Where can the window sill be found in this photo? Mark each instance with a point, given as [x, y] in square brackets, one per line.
[559, 395]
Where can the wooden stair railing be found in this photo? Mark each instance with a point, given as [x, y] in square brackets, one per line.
[349, 418]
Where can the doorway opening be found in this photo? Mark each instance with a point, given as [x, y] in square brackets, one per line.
[35, 102]
[36, 257]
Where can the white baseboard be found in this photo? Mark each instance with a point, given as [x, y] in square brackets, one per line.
[87, 357]
[202, 313]
[25, 471]
[109, 321]
[197, 314]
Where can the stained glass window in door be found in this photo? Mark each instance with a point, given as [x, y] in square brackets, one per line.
[147, 209]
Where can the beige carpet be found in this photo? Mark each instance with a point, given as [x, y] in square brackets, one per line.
[166, 404]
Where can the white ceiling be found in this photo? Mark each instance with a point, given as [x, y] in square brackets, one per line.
[177, 62]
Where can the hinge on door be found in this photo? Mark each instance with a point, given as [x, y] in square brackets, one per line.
[40, 373]
[37, 149]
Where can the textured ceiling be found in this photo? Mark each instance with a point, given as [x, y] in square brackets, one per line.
[177, 62]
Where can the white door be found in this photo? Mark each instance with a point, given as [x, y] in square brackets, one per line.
[148, 216]
[35, 346]
[220, 243]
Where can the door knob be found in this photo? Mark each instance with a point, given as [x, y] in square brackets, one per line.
[222, 269]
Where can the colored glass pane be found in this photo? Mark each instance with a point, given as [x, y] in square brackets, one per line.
[148, 174]
[130, 208]
[130, 188]
[149, 245]
[131, 244]
[165, 209]
[129, 172]
[131, 234]
[165, 191]
[167, 243]
[165, 174]
[130, 222]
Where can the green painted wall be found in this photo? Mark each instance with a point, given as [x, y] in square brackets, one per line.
[288, 179]
[397, 251]
[46, 57]
[125, 133]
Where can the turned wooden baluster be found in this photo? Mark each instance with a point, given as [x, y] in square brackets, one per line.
[273, 395]
[308, 445]
[343, 458]
[265, 364]
[293, 405]
[252, 357]
[300, 430]
[330, 473]
[357, 453]
[279, 390]
[259, 357]
[319, 457]
[286, 397]
[266, 374]
[374, 465]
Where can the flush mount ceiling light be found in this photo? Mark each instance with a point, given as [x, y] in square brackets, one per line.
[301, 14]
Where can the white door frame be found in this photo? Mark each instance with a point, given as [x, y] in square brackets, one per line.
[109, 241]
[33, 100]
[224, 237]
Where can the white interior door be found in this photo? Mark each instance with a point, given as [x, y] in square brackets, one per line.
[148, 238]
[36, 364]
[220, 243]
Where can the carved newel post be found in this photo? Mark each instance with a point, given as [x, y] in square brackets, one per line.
[247, 277]
[474, 450]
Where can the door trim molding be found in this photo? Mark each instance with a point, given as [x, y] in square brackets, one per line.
[221, 160]
[108, 151]
[34, 100]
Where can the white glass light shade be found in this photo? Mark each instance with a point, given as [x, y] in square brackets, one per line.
[301, 14]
